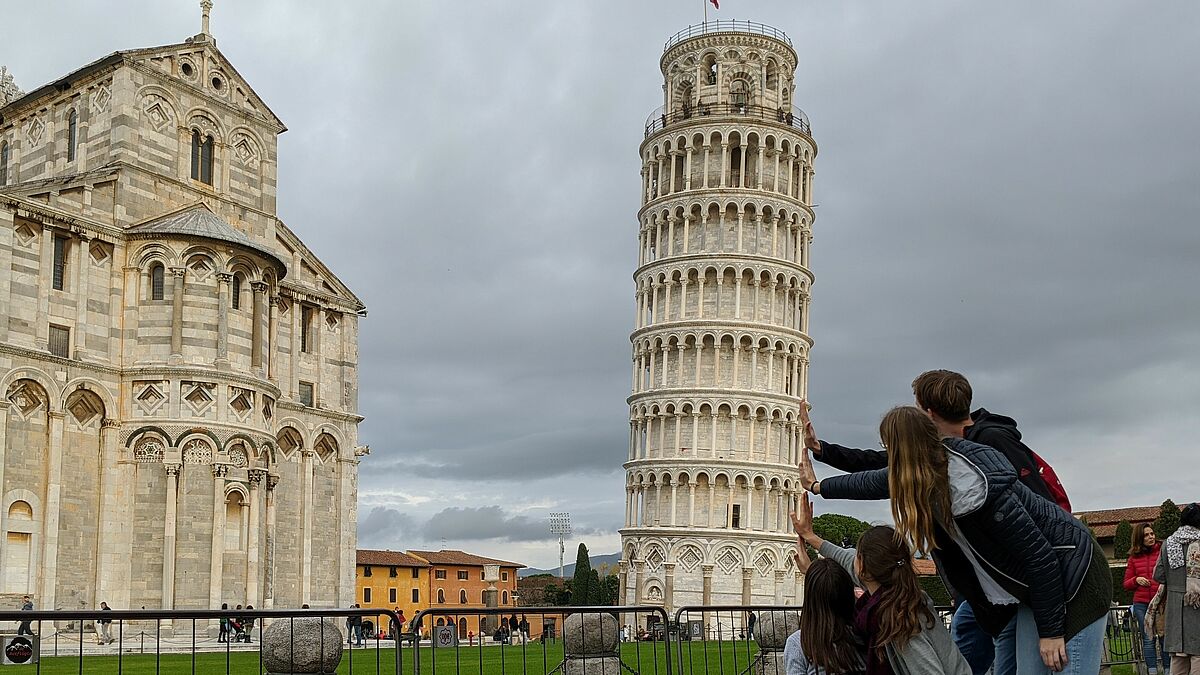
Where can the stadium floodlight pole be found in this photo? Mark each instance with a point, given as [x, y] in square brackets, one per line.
[560, 524]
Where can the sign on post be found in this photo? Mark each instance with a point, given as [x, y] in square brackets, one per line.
[18, 650]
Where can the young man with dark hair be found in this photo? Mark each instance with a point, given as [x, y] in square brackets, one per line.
[945, 396]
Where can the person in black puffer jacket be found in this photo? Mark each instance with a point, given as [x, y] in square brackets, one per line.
[1003, 548]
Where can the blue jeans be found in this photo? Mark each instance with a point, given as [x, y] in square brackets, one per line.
[976, 646]
[1006, 650]
[1151, 647]
[1084, 651]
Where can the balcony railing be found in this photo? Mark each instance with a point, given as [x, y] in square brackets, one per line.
[727, 26]
[795, 117]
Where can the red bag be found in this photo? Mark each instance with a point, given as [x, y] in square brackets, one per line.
[1053, 484]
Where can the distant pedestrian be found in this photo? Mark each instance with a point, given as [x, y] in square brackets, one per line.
[523, 626]
[26, 606]
[104, 627]
[750, 625]
[223, 624]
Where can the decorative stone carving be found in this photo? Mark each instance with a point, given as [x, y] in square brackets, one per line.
[9, 91]
[220, 470]
[149, 450]
[237, 457]
[302, 645]
[197, 451]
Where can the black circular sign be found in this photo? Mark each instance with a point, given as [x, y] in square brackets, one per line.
[19, 650]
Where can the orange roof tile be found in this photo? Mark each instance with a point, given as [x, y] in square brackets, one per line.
[1111, 517]
[454, 557]
[925, 568]
[387, 558]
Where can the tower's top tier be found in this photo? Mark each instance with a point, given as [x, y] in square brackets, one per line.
[728, 68]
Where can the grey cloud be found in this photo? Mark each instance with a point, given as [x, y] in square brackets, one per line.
[384, 527]
[484, 522]
[1010, 197]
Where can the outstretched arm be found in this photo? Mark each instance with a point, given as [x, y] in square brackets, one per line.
[838, 456]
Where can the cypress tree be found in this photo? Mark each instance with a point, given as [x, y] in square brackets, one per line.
[581, 582]
[1168, 520]
[1122, 540]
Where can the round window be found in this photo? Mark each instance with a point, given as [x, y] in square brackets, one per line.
[217, 83]
[187, 70]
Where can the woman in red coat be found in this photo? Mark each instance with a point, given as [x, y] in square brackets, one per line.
[1139, 578]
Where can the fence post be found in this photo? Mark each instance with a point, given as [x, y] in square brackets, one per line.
[771, 632]
[592, 643]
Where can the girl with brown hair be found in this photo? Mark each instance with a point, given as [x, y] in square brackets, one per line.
[1007, 551]
[899, 631]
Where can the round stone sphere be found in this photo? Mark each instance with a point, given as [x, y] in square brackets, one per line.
[772, 629]
[302, 645]
[588, 634]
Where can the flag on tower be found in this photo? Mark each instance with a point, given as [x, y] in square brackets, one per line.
[715, 4]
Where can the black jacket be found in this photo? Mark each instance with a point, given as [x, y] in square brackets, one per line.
[1034, 549]
[995, 431]
[1000, 432]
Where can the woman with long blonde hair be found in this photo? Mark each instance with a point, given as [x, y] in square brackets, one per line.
[1006, 550]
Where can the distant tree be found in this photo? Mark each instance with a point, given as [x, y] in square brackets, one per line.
[1168, 520]
[839, 529]
[1122, 540]
[595, 590]
[581, 583]
[610, 587]
[555, 595]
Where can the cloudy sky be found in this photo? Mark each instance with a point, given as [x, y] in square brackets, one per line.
[1008, 189]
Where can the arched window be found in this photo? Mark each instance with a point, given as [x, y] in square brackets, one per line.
[483, 597]
[3, 162]
[504, 598]
[237, 291]
[18, 548]
[156, 281]
[72, 134]
[710, 69]
[462, 597]
[233, 522]
[441, 597]
[772, 74]
[738, 93]
[202, 157]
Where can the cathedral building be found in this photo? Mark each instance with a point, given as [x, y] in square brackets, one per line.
[721, 340]
[178, 371]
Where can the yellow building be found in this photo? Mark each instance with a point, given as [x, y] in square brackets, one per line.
[391, 580]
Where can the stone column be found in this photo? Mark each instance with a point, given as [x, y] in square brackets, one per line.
[669, 588]
[4, 406]
[112, 577]
[272, 334]
[129, 318]
[779, 576]
[82, 267]
[269, 549]
[691, 502]
[306, 528]
[639, 567]
[177, 313]
[253, 572]
[747, 577]
[168, 575]
[706, 592]
[256, 360]
[49, 559]
[223, 308]
[216, 568]
[45, 283]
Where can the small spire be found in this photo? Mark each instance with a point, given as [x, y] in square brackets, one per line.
[205, 9]
[9, 91]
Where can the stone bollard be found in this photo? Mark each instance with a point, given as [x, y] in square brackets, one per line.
[771, 633]
[304, 645]
[592, 643]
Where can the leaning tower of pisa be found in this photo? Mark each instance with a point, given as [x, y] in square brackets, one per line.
[720, 343]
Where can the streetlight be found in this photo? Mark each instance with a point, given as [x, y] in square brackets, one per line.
[560, 524]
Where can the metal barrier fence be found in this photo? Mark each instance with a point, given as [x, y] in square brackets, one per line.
[630, 640]
[791, 116]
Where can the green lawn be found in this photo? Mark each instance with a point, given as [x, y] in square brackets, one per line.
[646, 658]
